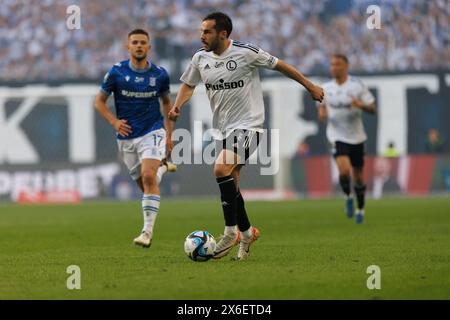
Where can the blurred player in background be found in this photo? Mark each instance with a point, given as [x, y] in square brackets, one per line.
[144, 134]
[346, 97]
[230, 71]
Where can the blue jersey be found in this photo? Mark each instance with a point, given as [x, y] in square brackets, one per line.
[136, 95]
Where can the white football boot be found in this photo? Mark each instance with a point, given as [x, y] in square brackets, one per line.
[144, 240]
[226, 243]
[244, 246]
[171, 167]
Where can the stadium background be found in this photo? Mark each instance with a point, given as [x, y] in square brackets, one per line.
[51, 139]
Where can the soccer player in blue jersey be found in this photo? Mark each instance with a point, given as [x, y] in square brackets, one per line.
[144, 134]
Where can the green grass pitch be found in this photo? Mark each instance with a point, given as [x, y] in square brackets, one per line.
[308, 249]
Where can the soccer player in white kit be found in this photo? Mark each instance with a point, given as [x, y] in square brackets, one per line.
[229, 70]
[346, 98]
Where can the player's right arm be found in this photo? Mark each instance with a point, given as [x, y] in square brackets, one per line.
[120, 126]
[183, 96]
[106, 88]
[190, 78]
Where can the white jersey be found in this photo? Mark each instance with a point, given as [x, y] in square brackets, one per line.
[232, 85]
[344, 121]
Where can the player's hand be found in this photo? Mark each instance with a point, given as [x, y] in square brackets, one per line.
[356, 103]
[174, 113]
[316, 93]
[121, 126]
[169, 146]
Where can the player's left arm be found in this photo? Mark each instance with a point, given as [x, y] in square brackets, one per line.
[365, 100]
[291, 72]
[369, 108]
[166, 105]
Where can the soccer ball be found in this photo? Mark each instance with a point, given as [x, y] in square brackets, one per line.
[200, 246]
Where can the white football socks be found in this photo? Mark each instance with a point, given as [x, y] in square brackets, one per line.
[159, 174]
[230, 230]
[150, 207]
[247, 233]
[150, 203]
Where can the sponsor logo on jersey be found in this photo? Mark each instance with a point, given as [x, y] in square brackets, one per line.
[271, 60]
[219, 64]
[340, 105]
[222, 85]
[231, 65]
[139, 79]
[133, 94]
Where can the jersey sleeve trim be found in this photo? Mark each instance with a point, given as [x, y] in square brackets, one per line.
[249, 47]
[165, 92]
[105, 92]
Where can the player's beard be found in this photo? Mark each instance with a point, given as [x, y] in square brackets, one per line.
[140, 58]
[213, 46]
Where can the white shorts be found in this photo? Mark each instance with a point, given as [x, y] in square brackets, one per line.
[150, 146]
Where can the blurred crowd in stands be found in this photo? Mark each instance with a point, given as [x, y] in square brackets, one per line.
[35, 43]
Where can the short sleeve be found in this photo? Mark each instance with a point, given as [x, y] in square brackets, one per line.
[165, 86]
[265, 60]
[366, 96]
[108, 83]
[191, 75]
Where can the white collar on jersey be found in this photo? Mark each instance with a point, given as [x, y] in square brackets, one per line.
[223, 54]
[139, 70]
[343, 83]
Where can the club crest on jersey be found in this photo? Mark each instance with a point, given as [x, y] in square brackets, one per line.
[231, 65]
[152, 82]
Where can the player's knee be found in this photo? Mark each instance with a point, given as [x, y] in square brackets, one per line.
[149, 178]
[344, 175]
[359, 181]
[222, 171]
